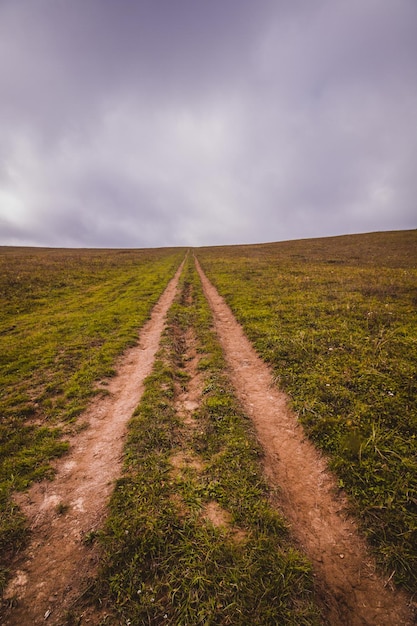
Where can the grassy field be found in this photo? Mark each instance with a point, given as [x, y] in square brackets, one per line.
[165, 559]
[337, 320]
[65, 315]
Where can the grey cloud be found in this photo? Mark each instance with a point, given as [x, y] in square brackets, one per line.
[194, 123]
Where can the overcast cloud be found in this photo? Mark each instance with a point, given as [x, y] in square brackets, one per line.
[184, 122]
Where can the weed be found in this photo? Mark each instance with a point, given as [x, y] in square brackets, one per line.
[90, 537]
[62, 508]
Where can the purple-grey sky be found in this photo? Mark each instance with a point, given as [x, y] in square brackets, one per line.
[141, 123]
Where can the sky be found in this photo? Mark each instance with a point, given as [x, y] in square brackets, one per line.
[153, 123]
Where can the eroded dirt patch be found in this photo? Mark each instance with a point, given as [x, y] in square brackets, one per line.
[63, 514]
[217, 516]
[188, 395]
[187, 403]
[183, 461]
[352, 592]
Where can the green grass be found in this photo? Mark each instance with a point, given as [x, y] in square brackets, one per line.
[337, 320]
[65, 315]
[164, 562]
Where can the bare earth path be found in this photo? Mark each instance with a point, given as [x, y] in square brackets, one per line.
[58, 563]
[353, 594]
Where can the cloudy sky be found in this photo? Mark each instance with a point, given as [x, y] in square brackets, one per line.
[136, 123]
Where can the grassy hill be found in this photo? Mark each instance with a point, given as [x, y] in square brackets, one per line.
[337, 320]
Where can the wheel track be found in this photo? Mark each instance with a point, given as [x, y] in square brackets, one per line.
[57, 566]
[352, 592]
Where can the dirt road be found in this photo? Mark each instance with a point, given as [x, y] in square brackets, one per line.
[352, 593]
[57, 567]
[63, 513]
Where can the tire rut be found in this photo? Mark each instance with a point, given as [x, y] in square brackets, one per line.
[351, 591]
[55, 569]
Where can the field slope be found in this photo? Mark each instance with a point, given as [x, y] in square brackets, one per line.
[196, 531]
[65, 315]
[336, 319]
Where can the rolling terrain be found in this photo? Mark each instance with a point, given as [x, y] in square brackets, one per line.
[219, 510]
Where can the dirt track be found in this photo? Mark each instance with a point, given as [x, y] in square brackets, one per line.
[58, 564]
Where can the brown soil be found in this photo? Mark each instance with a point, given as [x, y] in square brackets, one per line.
[188, 400]
[352, 592]
[56, 568]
